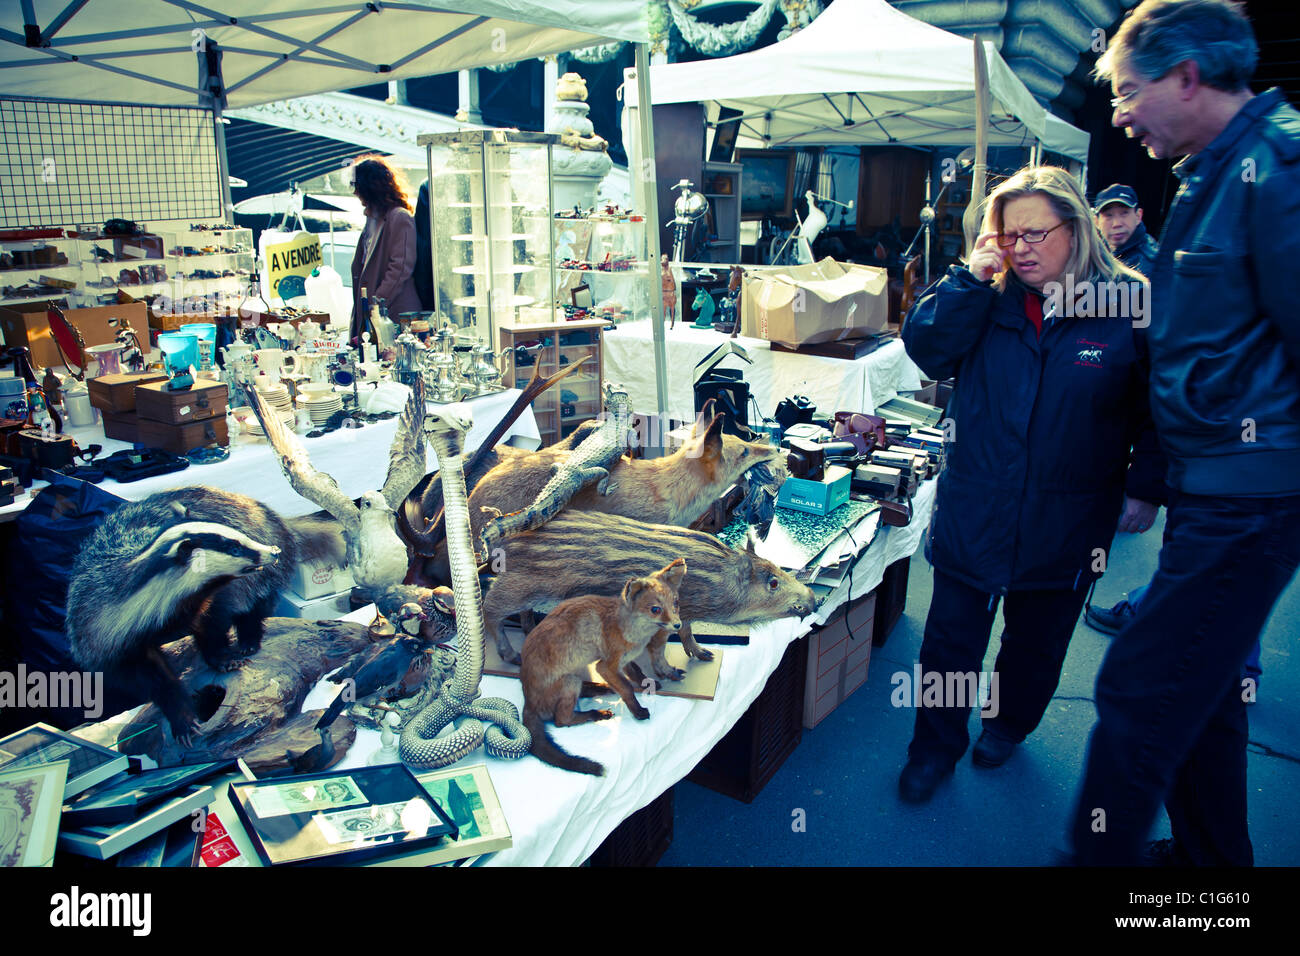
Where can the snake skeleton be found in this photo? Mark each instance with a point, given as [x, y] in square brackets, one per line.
[504, 735]
[590, 461]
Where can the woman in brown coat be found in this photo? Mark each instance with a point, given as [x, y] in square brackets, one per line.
[384, 264]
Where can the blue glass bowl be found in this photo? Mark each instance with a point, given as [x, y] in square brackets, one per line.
[204, 330]
[180, 350]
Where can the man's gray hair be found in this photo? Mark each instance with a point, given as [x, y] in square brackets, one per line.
[1160, 34]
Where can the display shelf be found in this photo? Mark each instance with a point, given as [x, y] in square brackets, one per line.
[487, 263]
[572, 341]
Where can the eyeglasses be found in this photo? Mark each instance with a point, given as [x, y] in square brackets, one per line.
[1033, 237]
[1118, 101]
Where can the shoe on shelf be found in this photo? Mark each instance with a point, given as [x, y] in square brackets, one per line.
[1109, 620]
[992, 750]
[1166, 852]
[921, 777]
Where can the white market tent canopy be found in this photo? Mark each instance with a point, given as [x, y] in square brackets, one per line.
[145, 51]
[865, 73]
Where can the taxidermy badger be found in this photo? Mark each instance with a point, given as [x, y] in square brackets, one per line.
[194, 561]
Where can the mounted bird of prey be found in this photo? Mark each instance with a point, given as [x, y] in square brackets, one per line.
[376, 555]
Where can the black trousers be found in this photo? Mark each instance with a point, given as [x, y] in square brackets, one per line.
[1039, 625]
[1171, 716]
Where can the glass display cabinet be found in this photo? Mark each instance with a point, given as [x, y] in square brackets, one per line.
[493, 246]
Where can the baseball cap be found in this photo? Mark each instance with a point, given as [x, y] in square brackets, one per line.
[1116, 193]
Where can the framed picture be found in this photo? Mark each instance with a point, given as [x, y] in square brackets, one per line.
[339, 817]
[471, 801]
[122, 799]
[582, 297]
[102, 842]
[767, 184]
[725, 132]
[30, 801]
[88, 764]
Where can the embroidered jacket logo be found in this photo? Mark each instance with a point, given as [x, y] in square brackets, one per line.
[1090, 355]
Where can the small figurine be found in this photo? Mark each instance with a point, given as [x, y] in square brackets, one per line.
[669, 285]
[387, 752]
[704, 308]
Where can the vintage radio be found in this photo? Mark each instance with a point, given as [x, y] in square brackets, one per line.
[202, 401]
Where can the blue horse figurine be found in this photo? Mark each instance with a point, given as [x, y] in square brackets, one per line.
[704, 308]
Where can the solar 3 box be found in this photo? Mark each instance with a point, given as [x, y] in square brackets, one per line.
[816, 497]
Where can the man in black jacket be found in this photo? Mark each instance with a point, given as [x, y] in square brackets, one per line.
[1225, 395]
[1119, 217]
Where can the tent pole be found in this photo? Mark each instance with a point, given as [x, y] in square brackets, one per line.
[648, 203]
[223, 164]
[971, 219]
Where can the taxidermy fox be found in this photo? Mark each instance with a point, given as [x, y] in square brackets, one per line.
[611, 631]
[673, 490]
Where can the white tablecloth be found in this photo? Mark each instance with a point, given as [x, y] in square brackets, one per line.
[356, 457]
[833, 384]
[559, 818]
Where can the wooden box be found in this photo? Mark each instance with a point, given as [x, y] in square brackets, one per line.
[742, 763]
[839, 653]
[202, 401]
[116, 393]
[642, 838]
[25, 324]
[891, 598]
[121, 426]
[179, 439]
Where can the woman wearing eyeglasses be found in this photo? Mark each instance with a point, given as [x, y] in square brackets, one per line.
[1050, 400]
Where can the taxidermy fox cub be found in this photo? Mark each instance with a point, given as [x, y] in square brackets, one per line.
[612, 632]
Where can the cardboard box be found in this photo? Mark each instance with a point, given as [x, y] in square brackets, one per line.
[328, 607]
[824, 301]
[25, 324]
[816, 497]
[314, 579]
[838, 662]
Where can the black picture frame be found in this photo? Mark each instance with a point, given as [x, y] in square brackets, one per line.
[767, 183]
[122, 799]
[726, 130]
[88, 763]
[370, 802]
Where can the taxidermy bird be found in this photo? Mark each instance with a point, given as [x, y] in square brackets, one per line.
[379, 666]
[376, 554]
[427, 612]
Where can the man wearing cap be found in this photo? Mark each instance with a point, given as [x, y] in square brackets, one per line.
[1119, 217]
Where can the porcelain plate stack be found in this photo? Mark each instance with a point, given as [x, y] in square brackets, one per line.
[320, 404]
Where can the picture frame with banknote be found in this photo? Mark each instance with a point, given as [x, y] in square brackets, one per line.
[339, 817]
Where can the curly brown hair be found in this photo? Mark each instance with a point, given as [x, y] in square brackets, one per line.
[380, 186]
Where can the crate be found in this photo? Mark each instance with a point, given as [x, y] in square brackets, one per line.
[891, 598]
[26, 324]
[742, 762]
[642, 838]
[837, 660]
